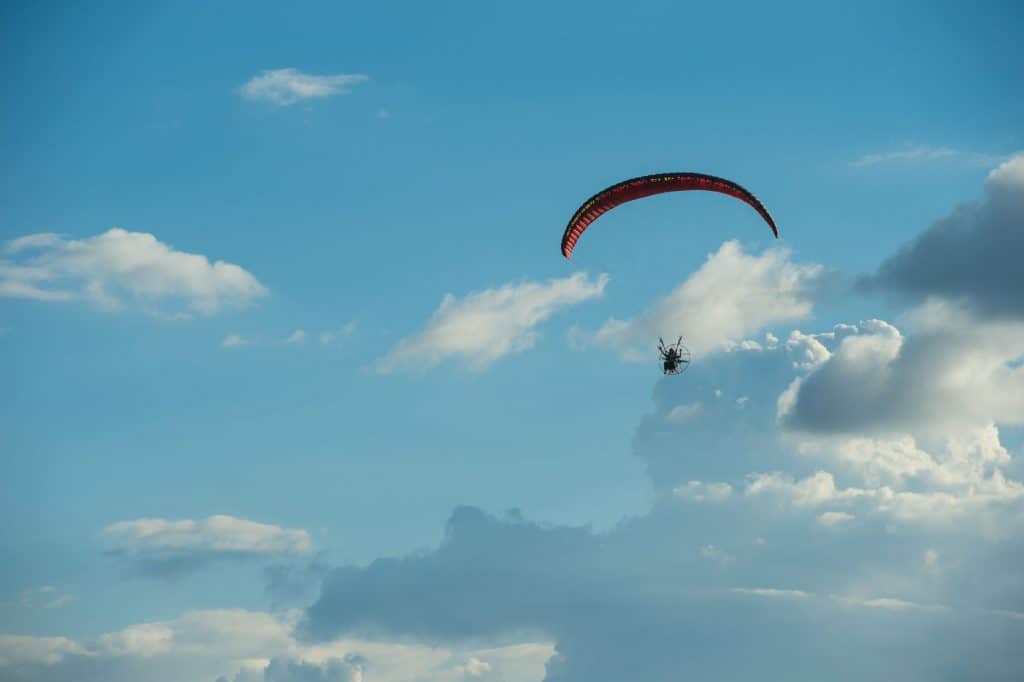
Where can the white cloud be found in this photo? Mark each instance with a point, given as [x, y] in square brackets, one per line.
[487, 325]
[771, 593]
[18, 649]
[1009, 174]
[39, 240]
[116, 268]
[964, 460]
[681, 413]
[330, 336]
[474, 668]
[813, 491]
[965, 477]
[745, 345]
[716, 554]
[888, 604]
[834, 518]
[951, 373]
[297, 337]
[884, 603]
[215, 534]
[807, 350]
[45, 597]
[731, 297]
[704, 492]
[233, 340]
[923, 153]
[288, 86]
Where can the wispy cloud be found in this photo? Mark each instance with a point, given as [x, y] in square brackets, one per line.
[233, 341]
[924, 154]
[771, 592]
[284, 87]
[298, 337]
[45, 597]
[717, 555]
[487, 325]
[887, 603]
[681, 413]
[332, 335]
[118, 269]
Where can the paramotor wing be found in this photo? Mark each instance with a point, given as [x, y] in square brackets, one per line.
[649, 185]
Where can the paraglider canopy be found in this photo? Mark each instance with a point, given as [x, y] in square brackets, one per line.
[649, 185]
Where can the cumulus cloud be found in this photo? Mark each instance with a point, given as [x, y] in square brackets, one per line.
[285, 87]
[651, 598]
[118, 269]
[487, 325]
[162, 547]
[296, 338]
[970, 256]
[731, 297]
[807, 349]
[953, 371]
[965, 478]
[815, 490]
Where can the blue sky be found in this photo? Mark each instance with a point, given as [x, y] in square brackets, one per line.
[238, 400]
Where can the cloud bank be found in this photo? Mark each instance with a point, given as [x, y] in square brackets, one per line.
[252, 646]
